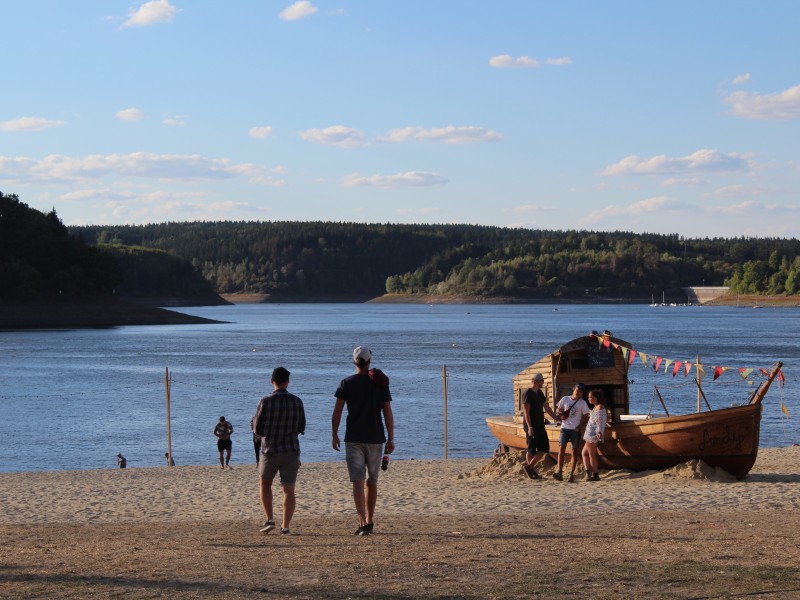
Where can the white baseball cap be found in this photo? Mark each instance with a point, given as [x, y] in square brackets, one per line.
[361, 354]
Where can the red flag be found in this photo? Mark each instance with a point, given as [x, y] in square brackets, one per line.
[687, 367]
[780, 377]
[717, 372]
[676, 368]
[606, 342]
[631, 354]
[764, 372]
[657, 364]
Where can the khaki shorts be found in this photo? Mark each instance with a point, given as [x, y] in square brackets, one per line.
[287, 463]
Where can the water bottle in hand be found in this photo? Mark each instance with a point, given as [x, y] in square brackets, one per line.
[385, 463]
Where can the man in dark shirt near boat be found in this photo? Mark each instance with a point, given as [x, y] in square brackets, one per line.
[367, 397]
[534, 405]
[280, 418]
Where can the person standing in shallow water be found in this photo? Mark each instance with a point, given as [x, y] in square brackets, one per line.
[594, 434]
[223, 431]
[368, 399]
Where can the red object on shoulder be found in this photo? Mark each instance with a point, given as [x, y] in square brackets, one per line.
[379, 377]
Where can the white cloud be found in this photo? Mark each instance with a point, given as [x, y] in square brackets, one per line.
[528, 208]
[739, 191]
[175, 121]
[657, 204]
[447, 135]
[705, 160]
[29, 124]
[408, 179]
[150, 13]
[130, 114]
[505, 61]
[298, 10]
[740, 79]
[684, 182]
[165, 167]
[260, 133]
[782, 106]
[758, 209]
[560, 61]
[336, 135]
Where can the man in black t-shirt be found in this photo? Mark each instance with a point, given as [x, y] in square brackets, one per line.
[368, 400]
[534, 405]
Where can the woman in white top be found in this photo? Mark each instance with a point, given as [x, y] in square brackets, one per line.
[595, 430]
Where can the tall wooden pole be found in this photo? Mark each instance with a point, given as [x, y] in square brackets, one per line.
[697, 379]
[169, 431]
[444, 383]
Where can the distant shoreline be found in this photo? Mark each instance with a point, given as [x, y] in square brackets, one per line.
[743, 300]
[90, 313]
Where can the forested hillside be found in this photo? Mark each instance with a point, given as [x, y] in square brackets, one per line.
[309, 260]
[41, 260]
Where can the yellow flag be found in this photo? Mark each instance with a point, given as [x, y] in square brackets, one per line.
[785, 410]
[643, 356]
[701, 371]
[624, 352]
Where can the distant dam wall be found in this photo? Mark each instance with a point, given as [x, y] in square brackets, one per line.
[703, 294]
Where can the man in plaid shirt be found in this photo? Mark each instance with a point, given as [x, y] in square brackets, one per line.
[279, 419]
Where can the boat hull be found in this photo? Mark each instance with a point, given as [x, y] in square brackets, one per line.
[726, 438]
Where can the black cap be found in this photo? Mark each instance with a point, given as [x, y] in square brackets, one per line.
[280, 375]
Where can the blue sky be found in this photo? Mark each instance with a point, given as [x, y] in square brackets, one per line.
[669, 117]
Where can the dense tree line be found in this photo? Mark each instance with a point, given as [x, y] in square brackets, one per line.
[40, 260]
[324, 259]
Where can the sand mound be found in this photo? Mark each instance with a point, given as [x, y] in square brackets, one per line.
[509, 466]
[698, 469]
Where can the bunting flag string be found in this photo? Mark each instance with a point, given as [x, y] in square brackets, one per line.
[675, 366]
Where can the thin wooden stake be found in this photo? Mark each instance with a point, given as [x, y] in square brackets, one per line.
[167, 382]
[444, 383]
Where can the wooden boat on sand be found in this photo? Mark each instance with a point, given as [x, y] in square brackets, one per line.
[725, 437]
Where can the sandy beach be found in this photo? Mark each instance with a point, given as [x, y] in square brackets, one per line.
[444, 529]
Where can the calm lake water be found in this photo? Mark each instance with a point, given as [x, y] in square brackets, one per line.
[72, 399]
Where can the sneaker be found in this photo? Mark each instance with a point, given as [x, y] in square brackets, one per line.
[571, 478]
[589, 476]
[558, 476]
[365, 529]
[268, 526]
[596, 477]
[285, 531]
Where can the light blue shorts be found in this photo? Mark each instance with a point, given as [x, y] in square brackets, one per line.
[363, 460]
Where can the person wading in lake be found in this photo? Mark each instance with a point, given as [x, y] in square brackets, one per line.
[368, 399]
[534, 405]
[280, 418]
[223, 431]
